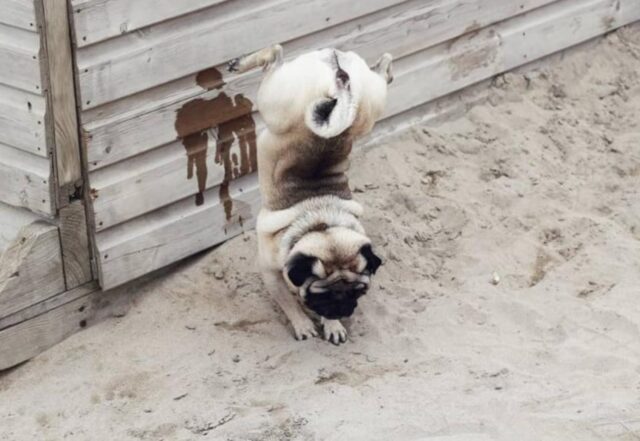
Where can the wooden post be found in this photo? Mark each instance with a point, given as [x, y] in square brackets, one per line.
[74, 238]
[62, 92]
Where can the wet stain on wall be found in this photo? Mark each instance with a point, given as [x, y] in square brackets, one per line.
[227, 119]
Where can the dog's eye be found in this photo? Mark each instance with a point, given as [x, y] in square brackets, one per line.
[300, 268]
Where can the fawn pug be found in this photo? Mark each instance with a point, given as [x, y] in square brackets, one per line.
[313, 252]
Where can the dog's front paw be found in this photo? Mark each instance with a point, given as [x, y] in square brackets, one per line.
[233, 65]
[304, 328]
[334, 331]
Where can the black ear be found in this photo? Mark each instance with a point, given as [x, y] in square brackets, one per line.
[299, 268]
[373, 261]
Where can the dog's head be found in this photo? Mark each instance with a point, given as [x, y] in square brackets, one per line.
[332, 269]
[325, 92]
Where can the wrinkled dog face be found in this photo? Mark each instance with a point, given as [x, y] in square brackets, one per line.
[332, 270]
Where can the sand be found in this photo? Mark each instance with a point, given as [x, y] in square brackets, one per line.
[538, 185]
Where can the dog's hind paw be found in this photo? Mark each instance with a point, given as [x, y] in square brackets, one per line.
[233, 65]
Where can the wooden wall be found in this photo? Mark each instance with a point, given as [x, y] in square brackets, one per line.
[44, 252]
[25, 165]
[169, 134]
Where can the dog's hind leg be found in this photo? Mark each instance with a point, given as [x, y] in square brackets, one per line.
[266, 58]
[383, 67]
[303, 326]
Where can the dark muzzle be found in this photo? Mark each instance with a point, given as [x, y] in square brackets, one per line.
[338, 301]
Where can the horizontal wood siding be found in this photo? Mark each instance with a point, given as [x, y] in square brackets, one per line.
[172, 233]
[165, 52]
[12, 219]
[31, 331]
[18, 13]
[23, 120]
[25, 180]
[25, 163]
[20, 54]
[98, 20]
[134, 86]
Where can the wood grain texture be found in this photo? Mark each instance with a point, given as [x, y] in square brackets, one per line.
[30, 268]
[74, 240]
[97, 20]
[25, 180]
[18, 13]
[47, 305]
[504, 46]
[20, 53]
[12, 220]
[31, 337]
[173, 233]
[141, 123]
[117, 190]
[62, 92]
[165, 235]
[137, 61]
[22, 120]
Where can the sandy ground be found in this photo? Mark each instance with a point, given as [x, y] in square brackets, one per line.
[539, 185]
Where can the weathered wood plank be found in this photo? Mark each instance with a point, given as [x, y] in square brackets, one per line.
[74, 240]
[62, 92]
[30, 268]
[29, 338]
[20, 55]
[504, 47]
[25, 180]
[117, 190]
[138, 61]
[22, 120]
[47, 305]
[18, 13]
[401, 30]
[97, 20]
[12, 220]
[173, 233]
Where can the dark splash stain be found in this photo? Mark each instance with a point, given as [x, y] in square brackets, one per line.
[210, 79]
[242, 129]
[196, 146]
[232, 118]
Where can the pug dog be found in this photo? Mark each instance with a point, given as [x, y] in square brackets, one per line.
[315, 257]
